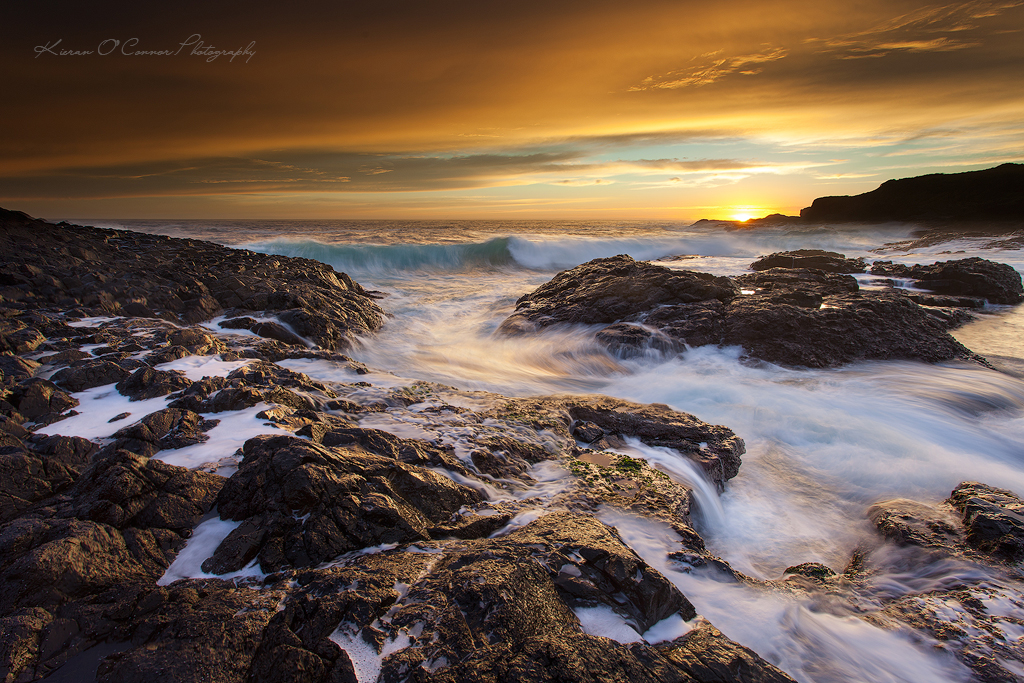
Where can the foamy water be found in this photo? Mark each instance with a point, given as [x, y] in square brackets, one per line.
[822, 445]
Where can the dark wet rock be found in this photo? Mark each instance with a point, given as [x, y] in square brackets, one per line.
[969, 277]
[167, 354]
[608, 290]
[797, 317]
[265, 328]
[196, 340]
[716, 449]
[908, 522]
[16, 337]
[781, 281]
[992, 194]
[587, 432]
[815, 571]
[129, 490]
[148, 382]
[884, 326]
[27, 477]
[828, 261]
[993, 518]
[75, 451]
[16, 367]
[167, 428]
[705, 655]
[88, 375]
[37, 397]
[203, 631]
[64, 358]
[307, 504]
[182, 280]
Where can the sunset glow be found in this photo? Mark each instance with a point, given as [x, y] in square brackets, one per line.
[595, 110]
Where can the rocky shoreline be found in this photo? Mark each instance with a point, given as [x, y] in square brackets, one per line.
[320, 545]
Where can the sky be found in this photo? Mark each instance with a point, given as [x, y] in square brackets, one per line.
[674, 110]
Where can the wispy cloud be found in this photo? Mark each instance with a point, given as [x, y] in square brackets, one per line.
[708, 72]
[940, 28]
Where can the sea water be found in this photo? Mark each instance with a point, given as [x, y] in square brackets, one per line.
[822, 445]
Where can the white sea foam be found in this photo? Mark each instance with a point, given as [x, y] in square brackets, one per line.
[198, 367]
[604, 621]
[235, 428]
[96, 408]
[206, 537]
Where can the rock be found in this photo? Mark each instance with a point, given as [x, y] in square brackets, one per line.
[196, 340]
[828, 261]
[993, 518]
[847, 328]
[183, 280]
[91, 374]
[37, 397]
[308, 504]
[969, 277]
[587, 432]
[907, 522]
[815, 571]
[167, 428]
[613, 289]
[17, 367]
[150, 383]
[796, 317]
[26, 478]
[266, 328]
[705, 655]
[716, 449]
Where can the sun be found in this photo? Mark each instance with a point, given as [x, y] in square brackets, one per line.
[742, 215]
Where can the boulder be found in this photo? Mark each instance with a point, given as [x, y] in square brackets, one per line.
[148, 382]
[969, 277]
[88, 375]
[304, 504]
[828, 261]
[993, 518]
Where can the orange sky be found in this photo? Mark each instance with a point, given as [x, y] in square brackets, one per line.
[676, 110]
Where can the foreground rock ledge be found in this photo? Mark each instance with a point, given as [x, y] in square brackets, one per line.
[788, 315]
[118, 272]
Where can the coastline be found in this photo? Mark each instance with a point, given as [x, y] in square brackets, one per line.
[373, 554]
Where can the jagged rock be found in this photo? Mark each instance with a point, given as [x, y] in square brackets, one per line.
[88, 375]
[993, 518]
[26, 478]
[183, 280]
[17, 367]
[883, 326]
[797, 317]
[814, 571]
[307, 504]
[828, 261]
[37, 397]
[716, 449]
[167, 428]
[907, 522]
[969, 277]
[265, 328]
[705, 655]
[196, 340]
[611, 289]
[150, 383]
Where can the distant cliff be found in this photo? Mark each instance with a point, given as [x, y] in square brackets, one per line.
[994, 194]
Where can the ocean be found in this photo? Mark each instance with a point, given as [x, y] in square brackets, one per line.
[822, 445]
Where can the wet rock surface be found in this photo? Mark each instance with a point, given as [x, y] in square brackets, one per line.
[817, 259]
[789, 315]
[970, 277]
[109, 272]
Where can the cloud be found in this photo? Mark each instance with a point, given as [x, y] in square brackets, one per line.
[916, 31]
[711, 71]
